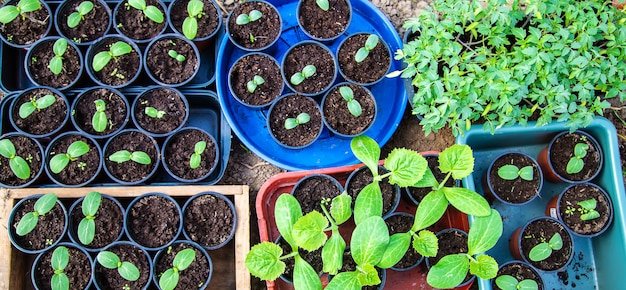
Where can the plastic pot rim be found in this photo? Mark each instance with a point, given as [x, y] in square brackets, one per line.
[239, 46]
[44, 5]
[88, 90]
[164, 159]
[329, 39]
[48, 157]
[127, 226]
[170, 36]
[13, 105]
[74, 236]
[396, 190]
[41, 154]
[602, 192]
[518, 242]
[592, 140]
[232, 91]
[57, 19]
[230, 205]
[53, 39]
[67, 245]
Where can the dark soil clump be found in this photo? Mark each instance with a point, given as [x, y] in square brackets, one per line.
[191, 278]
[27, 30]
[570, 200]
[264, 30]
[162, 99]
[208, 220]
[313, 190]
[135, 25]
[325, 24]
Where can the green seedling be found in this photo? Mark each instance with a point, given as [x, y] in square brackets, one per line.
[56, 63]
[175, 55]
[251, 38]
[59, 161]
[196, 157]
[43, 205]
[587, 209]
[18, 165]
[182, 260]
[110, 260]
[576, 163]
[9, 12]
[87, 226]
[77, 16]
[152, 12]
[99, 120]
[363, 52]
[101, 59]
[190, 24]
[154, 113]
[26, 109]
[512, 172]
[508, 282]
[125, 155]
[307, 72]
[254, 83]
[302, 118]
[243, 18]
[60, 259]
[544, 249]
[322, 4]
[353, 105]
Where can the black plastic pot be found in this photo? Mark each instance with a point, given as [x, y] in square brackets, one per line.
[151, 51]
[44, 5]
[200, 40]
[250, 71]
[50, 154]
[34, 176]
[217, 221]
[279, 124]
[72, 231]
[101, 284]
[90, 131]
[492, 193]
[123, 5]
[155, 161]
[332, 127]
[60, 22]
[35, 276]
[205, 254]
[136, 110]
[152, 224]
[46, 40]
[167, 145]
[287, 77]
[552, 174]
[91, 52]
[316, 191]
[16, 103]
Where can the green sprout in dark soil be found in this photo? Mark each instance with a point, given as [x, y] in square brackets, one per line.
[576, 163]
[59, 161]
[544, 249]
[190, 24]
[152, 12]
[302, 118]
[364, 51]
[99, 120]
[59, 261]
[243, 18]
[77, 16]
[18, 165]
[56, 63]
[110, 260]
[125, 155]
[307, 72]
[182, 260]
[512, 172]
[154, 113]
[9, 12]
[175, 55]
[353, 105]
[26, 109]
[102, 58]
[196, 157]
[43, 205]
[254, 83]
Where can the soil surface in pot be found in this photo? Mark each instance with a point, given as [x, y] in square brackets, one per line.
[49, 226]
[208, 220]
[109, 279]
[338, 116]
[78, 270]
[375, 65]
[451, 243]
[256, 65]
[207, 24]
[196, 274]
[40, 121]
[265, 30]
[418, 193]
[165, 100]
[520, 272]
[181, 147]
[313, 190]
[135, 25]
[517, 190]
[131, 171]
[40, 58]
[362, 178]
[80, 170]
[324, 24]
[350, 265]
[542, 230]
[27, 149]
[166, 68]
[118, 71]
[26, 30]
[109, 223]
[563, 149]
[153, 221]
[310, 54]
[570, 200]
[92, 26]
[314, 258]
[291, 107]
[116, 111]
[399, 223]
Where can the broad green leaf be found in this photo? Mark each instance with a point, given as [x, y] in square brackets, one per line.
[27, 224]
[58, 163]
[355, 108]
[304, 276]
[199, 147]
[467, 201]
[45, 203]
[120, 48]
[556, 242]
[369, 202]
[56, 65]
[426, 243]
[367, 151]
[60, 282]
[528, 284]
[26, 109]
[361, 54]
[29, 5]
[242, 19]
[574, 165]
[190, 27]
[108, 259]
[45, 101]
[369, 241]
[430, 210]
[129, 271]
[449, 272]
[484, 233]
[590, 215]
[540, 252]
[344, 281]
[7, 149]
[194, 7]
[8, 13]
[59, 47]
[120, 156]
[526, 173]
[580, 150]
[100, 60]
[371, 42]
[398, 245]
[322, 4]
[74, 19]
[287, 211]
[255, 15]
[20, 167]
[263, 261]
[154, 14]
[407, 167]
[141, 157]
[588, 204]
[458, 160]
[340, 208]
[332, 253]
[86, 231]
[194, 161]
[506, 282]
[99, 121]
[308, 232]
[85, 7]
[484, 267]
[77, 149]
[169, 279]
[346, 93]
[368, 276]
[184, 258]
[60, 258]
[508, 172]
[427, 181]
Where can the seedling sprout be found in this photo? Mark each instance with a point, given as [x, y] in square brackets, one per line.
[77, 16]
[43, 205]
[26, 109]
[18, 165]
[152, 12]
[101, 59]
[307, 72]
[110, 260]
[125, 155]
[243, 18]
[99, 120]
[196, 157]
[59, 161]
[190, 24]
[302, 118]
[353, 105]
[9, 12]
[254, 83]
[363, 52]
[56, 63]
[182, 260]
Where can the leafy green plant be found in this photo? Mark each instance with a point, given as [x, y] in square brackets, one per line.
[190, 24]
[182, 260]
[154, 113]
[512, 172]
[77, 16]
[243, 18]
[87, 226]
[56, 62]
[363, 52]
[117, 49]
[353, 105]
[196, 157]
[26, 109]
[256, 81]
[152, 12]
[322, 4]
[43, 205]
[9, 12]
[302, 118]
[59, 161]
[175, 55]
[60, 259]
[544, 249]
[307, 72]
[125, 155]
[587, 209]
[99, 120]
[508, 282]
[18, 165]
[576, 163]
[110, 260]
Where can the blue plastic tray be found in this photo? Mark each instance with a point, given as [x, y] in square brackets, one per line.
[328, 151]
[598, 263]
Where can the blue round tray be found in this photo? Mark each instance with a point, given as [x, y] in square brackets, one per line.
[329, 150]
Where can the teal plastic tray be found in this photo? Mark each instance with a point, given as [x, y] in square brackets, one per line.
[598, 263]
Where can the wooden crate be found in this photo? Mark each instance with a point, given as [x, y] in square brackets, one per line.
[228, 263]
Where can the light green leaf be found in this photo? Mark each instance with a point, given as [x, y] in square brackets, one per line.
[129, 271]
[369, 202]
[367, 151]
[77, 149]
[556, 242]
[287, 212]
[190, 27]
[27, 224]
[100, 60]
[194, 161]
[506, 282]
[407, 167]
[540, 252]
[361, 54]
[184, 258]
[428, 180]
[340, 208]
[322, 4]
[369, 241]
[120, 156]
[56, 65]
[120, 48]
[344, 281]
[86, 231]
[59, 47]
[99, 121]
[426, 243]
[484, 267]
[467, 201]
[26, 109]
[574, 165]
[20, 167]
[45, 101]
[60, 258]
[7, 149]
[263, 261]
[8, 13]
[368, 276]
[45, 203]
[169, 279]
[484, 233]
[449, 272]
[430, 210]
[140, 157]
[194, 7]
[304, 276]
[526, 173]
[85, 7]
[73, 20]
[508, 172]
[153, 13]
[308, 232]
[108, 259]
[60, 282]
[398, 245]
[332, 253]
[58, 163]
[255, 15]
[528, 284]
[458, 160]
[29, 5]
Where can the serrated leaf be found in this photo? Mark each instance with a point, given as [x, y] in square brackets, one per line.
[467, 201]
[407, 167]
[332, 253]
[484, 233]
[369, 202]
[428, 180]
[426, 243]
[287, 212]
[449, 272]
[304, 276]
[458, 160]
[430, 210]
[308, 231]
[484, 267]
[369, 240]
[394, 252]
[340, 209]
[263, 261]
[367, 151]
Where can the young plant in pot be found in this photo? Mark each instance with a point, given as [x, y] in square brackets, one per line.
[544, 243]
[153, 221]
[83, 21]
[39, 112]
[415, 194]
[131, 157]
[294, 121]
[114, 61]
[311, 190]
[513, 178]
[255, 80]
[171, 60]
[66, 267]
[190, 155]
[324, 20]
[139, 20]
[572, 157]
[159, 111]
[198, 20]
[348, 109]
[54, 62]
[362, 177]
[73, 159]
[517, 275]
[401, 222]
[96, 221]
[20, 160]
[37, 223]
[183, 265]
[209, 233]
[126, 260]
[309, 68]
[363, 58]
[254, 25]
[100, 112]
[24, 22]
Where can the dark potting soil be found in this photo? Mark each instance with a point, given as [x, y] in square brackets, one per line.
[314, 258]
[153, 221]
[363, 177]
[310, 54]
[80, 170]
[563, 149]
[116, 111]
[27, 149]
[191, 278]
[109, 279]
[570, 200]
[246, 69]
[418, 193]
[265, 30]
[40, 121]
[78, 270]
[453, 242]
[181, 147]
[313, 190]
[520, 272]
[542, 230]
[49, 226]
[135, 25]
[517, 190]
[208, 220]
[338, 116]
[40, 58]
[375, 65]
[401, 224]
[119, 70]
[162, 99]
[109, 223]
[93, 25]
[26, 30]
[166, 68]
[325, 24]
[132, 141]
[207, 24]
[290, 107]
[350, 265]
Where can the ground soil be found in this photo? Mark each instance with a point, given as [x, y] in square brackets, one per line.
[78, 270]
[265, 30]
[109, 223]
[40, 58]
[324, 24]
[116, 111]
[135, 25]
[27, 30]
[91, 27]
[338, 117]
[542, 230]
[520, 272]
[153, 221]
[310, 54]
[576, 194]
[290, 107]
[517, 190]
[311, 191]
[162, 99]
[167, 69]
[562, 150]
[401, 223]
[451, 242]
[109, 279]
[207, 24]
[363, 177]
[209, 220]
[26, 148]
[372, 68]
[196, 274]
[119, 71]
[80, 170]
[179, 149]
[42, 121]
[246, 69]
[48, 230]
[131, 171]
